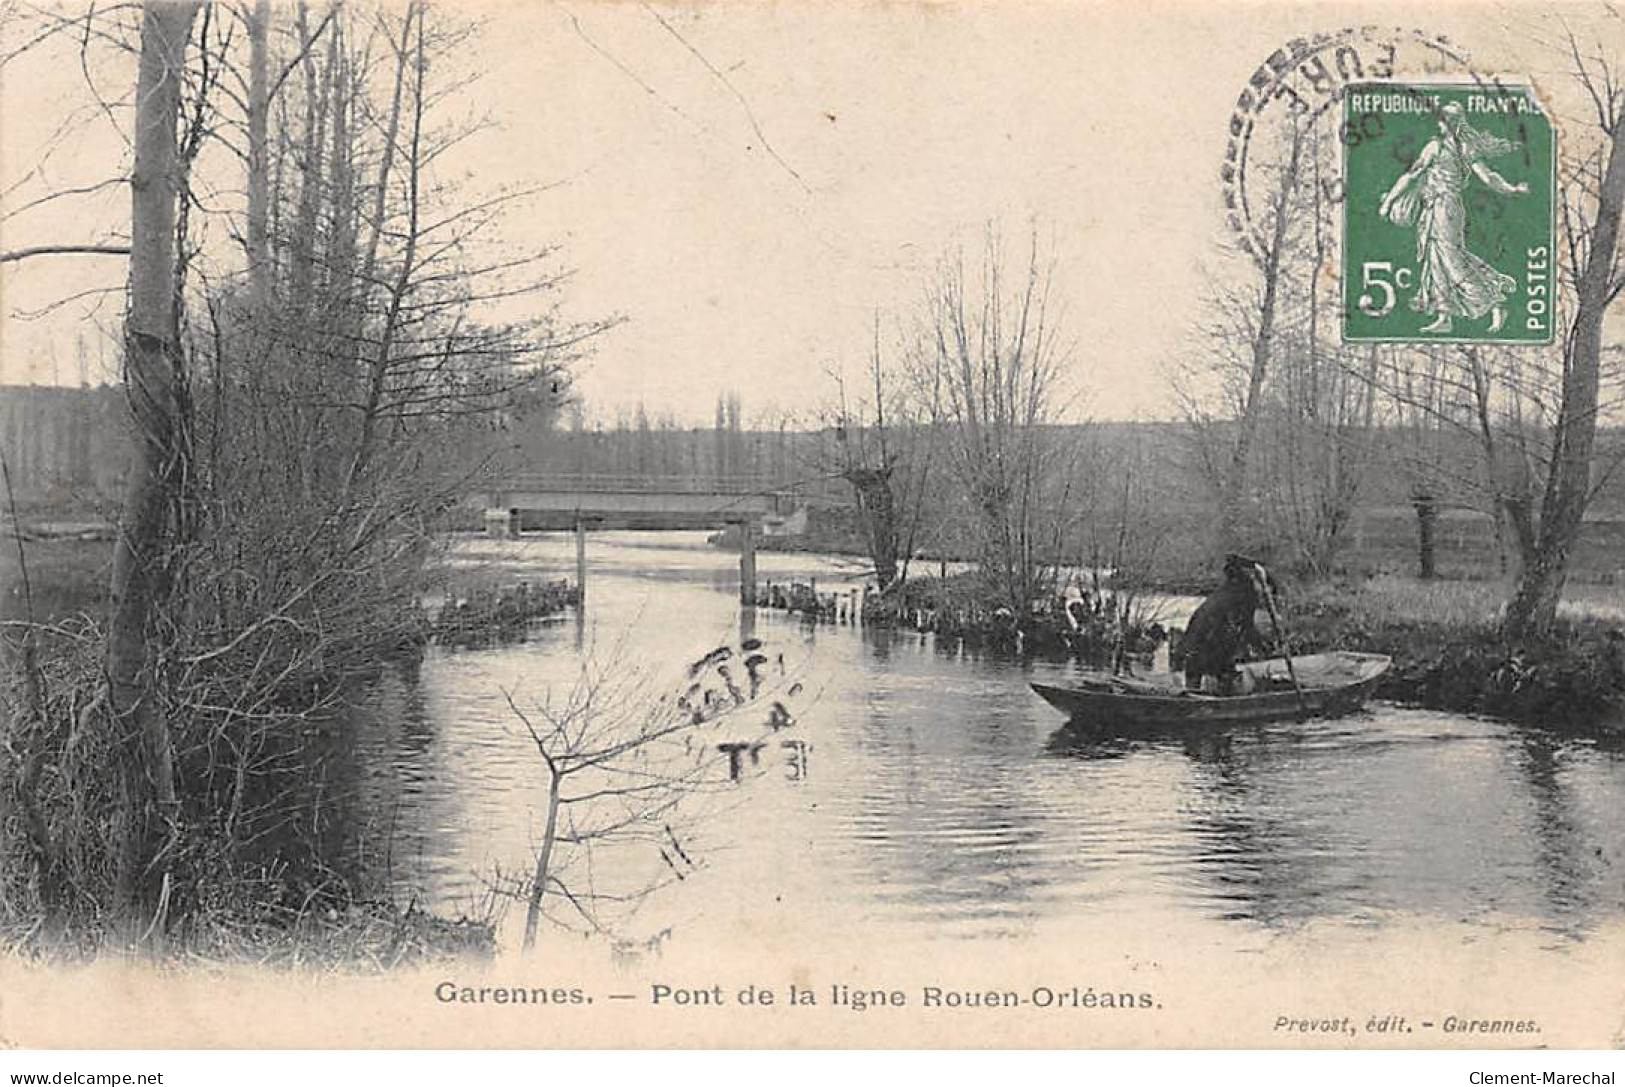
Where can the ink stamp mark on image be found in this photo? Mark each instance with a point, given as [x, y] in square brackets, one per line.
[1302, 86]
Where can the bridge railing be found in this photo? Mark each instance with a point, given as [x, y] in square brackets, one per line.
[554, 482]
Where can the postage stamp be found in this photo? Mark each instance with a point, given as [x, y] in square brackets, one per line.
[1448, 216]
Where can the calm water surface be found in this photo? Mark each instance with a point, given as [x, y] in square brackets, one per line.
[941, 798]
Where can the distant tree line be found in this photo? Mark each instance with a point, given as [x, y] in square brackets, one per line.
[65, 447]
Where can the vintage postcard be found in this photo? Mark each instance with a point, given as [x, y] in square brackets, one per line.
[589, 524]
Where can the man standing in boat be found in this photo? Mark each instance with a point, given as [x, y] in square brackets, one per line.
[1223, 628]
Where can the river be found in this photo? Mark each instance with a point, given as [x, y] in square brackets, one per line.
[938, 798]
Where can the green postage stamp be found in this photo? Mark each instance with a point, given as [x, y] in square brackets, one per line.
[1448, 215]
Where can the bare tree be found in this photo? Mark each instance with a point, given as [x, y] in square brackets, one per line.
[1533, 415]
[626, 768]
[1261, 331]
[1277, 417]
[154, 385]
[1593, 198]
[1456, 422]
[276, 531]
[988, 366]
[882, 446]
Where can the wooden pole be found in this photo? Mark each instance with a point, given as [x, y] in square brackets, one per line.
[581, 563]
[747, 563]
[1427, 515]
[1263, 581]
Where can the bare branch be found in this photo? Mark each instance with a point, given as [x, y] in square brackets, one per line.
[14, 255]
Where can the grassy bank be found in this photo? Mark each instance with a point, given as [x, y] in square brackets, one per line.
[1449, 654]
[64, 576]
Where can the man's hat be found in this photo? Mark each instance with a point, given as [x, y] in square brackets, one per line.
[1246, 568]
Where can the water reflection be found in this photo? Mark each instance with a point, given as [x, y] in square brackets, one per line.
[1575, 864]
[1233, 847]
[399, 783]
[951, 818]
[938, 795]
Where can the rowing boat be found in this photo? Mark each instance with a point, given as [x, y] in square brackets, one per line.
[1328, 685]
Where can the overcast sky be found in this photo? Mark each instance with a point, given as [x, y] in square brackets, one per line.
[749, 202]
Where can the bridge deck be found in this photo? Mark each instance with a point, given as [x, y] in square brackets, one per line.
[560, 502]
[591, 483]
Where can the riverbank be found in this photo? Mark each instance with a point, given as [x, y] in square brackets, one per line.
[362, 938]
[68, 572]
[1443, 636]
[1449, 654]
[962, 610]
[258, 884]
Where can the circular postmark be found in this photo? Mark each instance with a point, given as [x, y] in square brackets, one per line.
[1305, 80]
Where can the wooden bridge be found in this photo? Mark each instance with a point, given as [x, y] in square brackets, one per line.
[556, 502]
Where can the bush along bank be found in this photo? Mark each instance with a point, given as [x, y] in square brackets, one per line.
[961, 611]
[1574, 678]
[489, 615]
[257, 873]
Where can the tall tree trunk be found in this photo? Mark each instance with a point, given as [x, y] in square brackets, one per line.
[259, 162]
[312, 180]
[1540, 585]
[151, 380]
[878, 509]
[340, 263]
[382, 359]
[258, 240]
[1235, 484]
[403, 51]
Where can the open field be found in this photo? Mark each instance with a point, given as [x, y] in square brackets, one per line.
[1472, 604]
[1383, 540]
[64, 576]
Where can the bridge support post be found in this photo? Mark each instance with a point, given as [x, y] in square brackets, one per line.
[581, 563]
[502, 524]
[747, 563]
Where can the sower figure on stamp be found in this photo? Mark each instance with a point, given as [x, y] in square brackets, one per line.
[1223, 628]
[1451, 280]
